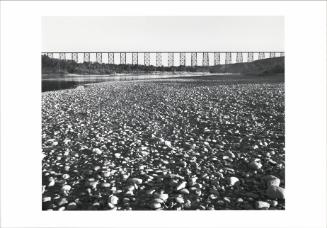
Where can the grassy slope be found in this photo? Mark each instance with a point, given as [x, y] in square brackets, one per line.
[258, 67]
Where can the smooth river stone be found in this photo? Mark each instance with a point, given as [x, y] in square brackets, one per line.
[97, 151]
[65, 176]
[261, 205]
[105, 185]
[162, 196]
[62, 202]
[181, 186]
[255, 165]
[46, 199]
[272, 181]
[275, 192]
[179, 200]
[117, 155]
[184, 191]
[71, 206]
[155, 205]
[233, 180]
[113, 200]
[135, 180]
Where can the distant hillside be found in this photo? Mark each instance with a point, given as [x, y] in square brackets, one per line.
[258, 67]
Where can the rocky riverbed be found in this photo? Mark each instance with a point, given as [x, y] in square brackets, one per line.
[164, 146]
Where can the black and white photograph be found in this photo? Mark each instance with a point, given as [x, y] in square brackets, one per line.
[190, 117]
[163, 114]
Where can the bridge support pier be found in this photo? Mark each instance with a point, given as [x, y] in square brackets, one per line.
[216, 58]
[75, 57]
[239, 57]
[170, 59]
[62, 56]
[122, 58]
[135, 58]
[182, 60]
[111, 58]
[228, 58]
[50, 55]
[147, 59]
[86, 57]
[250, 57]
[99, 57]
[261, 55]
[205, 60]
[158, 59]
[194, 59]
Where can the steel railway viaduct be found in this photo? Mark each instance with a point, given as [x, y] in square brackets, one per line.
[158, 59]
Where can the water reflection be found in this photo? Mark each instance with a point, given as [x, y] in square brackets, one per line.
[72, 81]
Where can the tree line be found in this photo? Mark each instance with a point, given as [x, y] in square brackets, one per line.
[52, 65]
[258, 67]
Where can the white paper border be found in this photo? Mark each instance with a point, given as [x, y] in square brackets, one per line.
[305, 38]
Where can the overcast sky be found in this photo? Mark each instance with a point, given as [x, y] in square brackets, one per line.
[162, 34]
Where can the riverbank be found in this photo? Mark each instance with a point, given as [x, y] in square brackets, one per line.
[72, 81]
[164, 145]
[138, 74]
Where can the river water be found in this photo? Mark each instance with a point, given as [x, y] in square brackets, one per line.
[50, 83]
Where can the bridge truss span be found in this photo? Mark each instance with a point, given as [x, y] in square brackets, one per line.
[166, 59]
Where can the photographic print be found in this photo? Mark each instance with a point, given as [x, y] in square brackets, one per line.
[163, 113]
